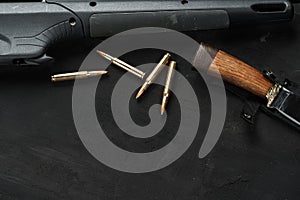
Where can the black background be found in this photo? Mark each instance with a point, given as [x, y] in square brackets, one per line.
[42, 157]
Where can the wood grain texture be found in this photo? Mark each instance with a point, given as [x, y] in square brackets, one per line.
[240, 74]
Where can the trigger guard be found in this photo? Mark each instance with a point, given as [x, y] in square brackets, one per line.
[39, 61]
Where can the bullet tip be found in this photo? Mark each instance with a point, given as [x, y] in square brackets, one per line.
[97, 73]
[162, 110]
[103, 72]
[163, 105]
[139, 93]
[101, 53]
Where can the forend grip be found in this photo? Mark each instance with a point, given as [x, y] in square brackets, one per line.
[30, 28]
[110, 16]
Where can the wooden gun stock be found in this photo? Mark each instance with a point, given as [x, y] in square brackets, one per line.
[238, 73]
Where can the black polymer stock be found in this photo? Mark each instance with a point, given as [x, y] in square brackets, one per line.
[29, 28]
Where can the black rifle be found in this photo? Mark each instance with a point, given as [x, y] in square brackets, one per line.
[28, 29]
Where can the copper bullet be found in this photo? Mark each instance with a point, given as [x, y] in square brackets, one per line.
[123, 65]
[153, 75]
[76, 75]
[166, 93]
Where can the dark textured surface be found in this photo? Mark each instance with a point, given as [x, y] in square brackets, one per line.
[41, 156]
